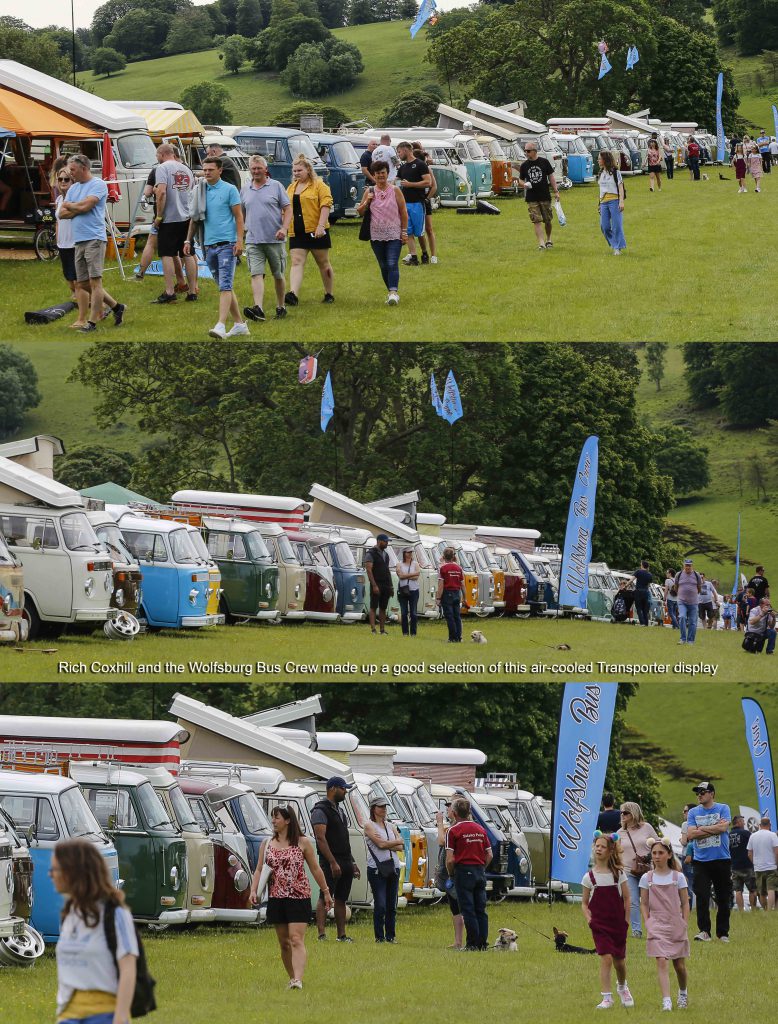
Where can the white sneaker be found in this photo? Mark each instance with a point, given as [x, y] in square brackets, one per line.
[238, 331]
[433, 259]
[702, 937]
[683, 1000]
[723, 938]
[294, 983]
[626, 996]
[607, 1002]
[617, 252]
[392, 299]
[667, 1004]
[219, 331]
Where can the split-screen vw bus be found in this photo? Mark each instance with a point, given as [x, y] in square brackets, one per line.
[321, 598]
[346, 179]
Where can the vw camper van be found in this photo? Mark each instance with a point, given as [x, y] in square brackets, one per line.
[249, 575]
[346, 179]
[279, 146]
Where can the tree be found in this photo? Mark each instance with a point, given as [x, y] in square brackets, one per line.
[91, 464]
[656, 352]
[63, 37]
[110, 13]
[757, 473]
[748, 395]
[19, 388]
[211, 102]
[409, 9]
[333, 12]
[273, 47]
[331, 117]
[36, 51]
[362, 12]
[418, 107]
[316, 69]
[140, 34]
[233, 53]
[218, 21]
[105, 60]
[189, 33]
[248, 21]
[684, 459]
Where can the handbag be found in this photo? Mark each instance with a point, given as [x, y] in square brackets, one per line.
[642, 864]
[385, 868]
[364, 227]
[753, 643]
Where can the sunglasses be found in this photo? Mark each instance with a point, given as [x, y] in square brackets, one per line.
[64, 179]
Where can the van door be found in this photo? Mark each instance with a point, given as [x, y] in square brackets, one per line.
[48, 571]
[35, 817]
[160, 578]
[238, 572]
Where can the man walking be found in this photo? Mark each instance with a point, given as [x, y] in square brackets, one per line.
[761, 621]
[688, 584]
[709, 831]
[643, 580]
[330, 828]
[386, 151]
[268, 214]
[468, 855]
[366, 162]
[230, 172]
[217, 205]
[415, 180]
[764, 150]
[742, 866]
[173, 184]
[758, 583]
[451, 590]
[537, 177]
[763, 854]
[85, 206]
[380, 579]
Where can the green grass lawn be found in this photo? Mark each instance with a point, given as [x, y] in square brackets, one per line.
[680, 280]
[394, 64]
[755, 104]
[307, 652]
[236, 975]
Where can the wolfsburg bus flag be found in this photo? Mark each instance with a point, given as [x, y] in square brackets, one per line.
[759, 745]
[582, 757]
[327, 402]
[426, 10]
[720, 145]
[574, 576]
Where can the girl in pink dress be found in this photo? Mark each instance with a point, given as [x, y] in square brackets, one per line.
[755, 166]
[664, 899]
[289, 891]
[605, 904]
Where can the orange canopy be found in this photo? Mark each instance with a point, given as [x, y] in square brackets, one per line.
[33, 119]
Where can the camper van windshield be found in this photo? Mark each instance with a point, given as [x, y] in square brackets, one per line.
[285, 550]
[78, 534]
[78, 817]
[199, 545]
[181, 547]
[153, 809]
[301, 145]
[6, 558]
[257, 547]
[182, 810]
[304, 556]
[465, 559]
[540, 569]
[137, 150]
[256, 821]
[426, 802]
[359, 806]
[343, 153]
[113, 542]
[345, 557]
[421, 556]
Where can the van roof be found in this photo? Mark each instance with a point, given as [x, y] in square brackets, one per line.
[357, 510]
[506, 117]
[226, 499]
[270, 132]
[31, 484]
[131, 522]
[113, 774]
[439, 755]
[29, 782]
[115, 730]
[233, 525]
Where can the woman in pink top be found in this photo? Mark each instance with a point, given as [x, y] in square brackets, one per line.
[388, 226]
[289, 891]
[634, 833]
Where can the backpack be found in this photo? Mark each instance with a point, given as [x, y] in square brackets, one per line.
[753, 643]
[678, 577]
[143, 1001]
[619, 609]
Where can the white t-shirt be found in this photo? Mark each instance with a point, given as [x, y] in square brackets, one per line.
[412, 566]
[763, 845]
[608, 184]
[657, 879]
[774, 148]
[64, 228]
[602, 878]
[84, 961]
[389, 154]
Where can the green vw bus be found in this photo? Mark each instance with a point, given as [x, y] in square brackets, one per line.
[250, 585]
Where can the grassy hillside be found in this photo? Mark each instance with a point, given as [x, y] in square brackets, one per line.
[755, 98]
[393, 65]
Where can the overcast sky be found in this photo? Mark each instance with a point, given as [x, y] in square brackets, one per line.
[57, 12]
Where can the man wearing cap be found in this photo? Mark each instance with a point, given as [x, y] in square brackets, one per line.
[380, 579]
[709, 831]
[688, 584]
[742, 866]
[330, 828]
[763, 854]
[468, 855]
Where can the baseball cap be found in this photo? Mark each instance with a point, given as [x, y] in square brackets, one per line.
[704, 787]
[382, 536]
[687, 561]
[379, 801]
[339, 782]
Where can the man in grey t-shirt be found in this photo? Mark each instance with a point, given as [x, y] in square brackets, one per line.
[174, 182]
[689, 584]
[268, 214]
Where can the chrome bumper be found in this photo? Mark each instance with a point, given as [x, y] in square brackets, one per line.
[237, 916]
[202, 915]
[189, 621]
[352, 616]
[91, 615]
[173, 917]
[293, 615]
[322, 616]
[274, 615]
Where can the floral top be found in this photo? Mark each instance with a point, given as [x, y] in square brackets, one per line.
[288, 881]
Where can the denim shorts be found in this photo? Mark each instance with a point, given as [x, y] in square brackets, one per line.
[221, 263]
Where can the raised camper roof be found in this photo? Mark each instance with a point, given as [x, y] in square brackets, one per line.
[262, 508]
[483, 533]
[506, 117]
[332, 507]
[629, 121]
[20, 485]
[451, 117]
[599, 124]
[68, 98]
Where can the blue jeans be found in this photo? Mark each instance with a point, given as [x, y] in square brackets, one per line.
[384, 902]
[770, 634]
[470, 882]
[634, 904]
[612, 224]
[641, 606]
[449, 604]
[408, 606]
[687, 621]
[672, 611]
[97, 1018]
[221, 263]
[688, 873]
[388, 256]
[694, 167]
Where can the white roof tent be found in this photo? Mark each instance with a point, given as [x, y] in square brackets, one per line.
[148, 104]
[20, 485]
[297, 714]
[430, 519]
[331, 507]
[451, 766]
[217, 736]
[337, 742]
[600, 124]
[505, 533]
[36, 453]
[629, 121]
[260, 508]
[399, 503]
[67, 98]
[506, 118]
[372, 759]
[451, 117]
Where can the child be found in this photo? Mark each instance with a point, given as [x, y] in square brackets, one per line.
[728, 611]
[739, 163]
[755, 166]
[664, 900]
[605, 905]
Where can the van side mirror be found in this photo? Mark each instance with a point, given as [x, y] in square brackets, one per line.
[111, 824]
[32, 835]
[230, 553]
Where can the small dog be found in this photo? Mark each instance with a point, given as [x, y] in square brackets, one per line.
[506, 943]
[705, 177]
[477, 637]
[563, 946]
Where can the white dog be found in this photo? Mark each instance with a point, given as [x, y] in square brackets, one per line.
[477, 637]
[506, 943]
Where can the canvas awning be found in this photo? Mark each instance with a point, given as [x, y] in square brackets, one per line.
[28, 117]
[169, 122]
[115, 494]
[5, 134]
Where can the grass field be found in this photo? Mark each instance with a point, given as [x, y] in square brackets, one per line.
[679, 280]
[394, 64]
[311, 652]
[234, 975]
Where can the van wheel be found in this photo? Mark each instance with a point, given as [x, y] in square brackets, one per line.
[33, 619]
[229, 620]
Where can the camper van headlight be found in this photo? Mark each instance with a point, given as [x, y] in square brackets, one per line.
[327, 594]
[463, 186]
[241, 880]
[204, 877]
[119, 598]
[108, 583]
[297, 590]
[353, 593]
[353, 192]
[6, 604]
[9, 877]
[523, 865]
[193, 595]
[174, 879]
[89, 586]
[269, 589]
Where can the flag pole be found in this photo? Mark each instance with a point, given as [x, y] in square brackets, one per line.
[335, 439]
[451, 492]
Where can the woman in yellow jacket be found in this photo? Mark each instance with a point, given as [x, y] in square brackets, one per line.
[311, 205]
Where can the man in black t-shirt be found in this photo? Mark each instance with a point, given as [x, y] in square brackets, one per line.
[759, 584]
[380, 580]
[537, 175]
[643, 579]
[366, 162]
[414, 178]
[742, 868]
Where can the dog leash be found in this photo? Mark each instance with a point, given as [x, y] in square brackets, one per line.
[531, 927]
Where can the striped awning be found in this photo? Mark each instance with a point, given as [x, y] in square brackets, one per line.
[170, 122]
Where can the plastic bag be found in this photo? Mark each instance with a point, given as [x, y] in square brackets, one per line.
[560, 214]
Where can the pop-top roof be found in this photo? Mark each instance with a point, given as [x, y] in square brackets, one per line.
[333, 503]
[116, 730]
[630, 121]
[168, 122]
[274, 508]
[29, 782]
[439, 755]
[32, 486]
[506, 532]
[506, 117]
[30, 445]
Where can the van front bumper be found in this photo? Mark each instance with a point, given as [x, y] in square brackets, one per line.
[426, 893]
[351, 212]
[352, 616]
[11, 927]
[498, 605]
[173, 916]
[190, 621]
[555, 886]
[237, 916]
[92, 614]
[322, 616]
[523, 890]
[273, 615]
[294, 615]
[202, 915]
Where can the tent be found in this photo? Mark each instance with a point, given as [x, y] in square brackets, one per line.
[24, 116]
[169, 122]
[115, 494]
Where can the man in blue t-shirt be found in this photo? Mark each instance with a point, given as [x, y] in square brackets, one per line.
[223, 242]
[764, 149]
[709, 831]
[85, 206]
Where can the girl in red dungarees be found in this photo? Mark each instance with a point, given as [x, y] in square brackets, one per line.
[664, 898]
[605, 905]
[289, 891]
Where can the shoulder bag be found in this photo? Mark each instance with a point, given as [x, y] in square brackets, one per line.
[642, 864]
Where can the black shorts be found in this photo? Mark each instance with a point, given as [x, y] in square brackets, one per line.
[288, 911]
[427, 207]
[307, 241]
[381, 599]
[171, 238]
[67, 258]
[340, 888]
[654, 168]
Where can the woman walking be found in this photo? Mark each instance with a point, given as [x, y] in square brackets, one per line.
[739, 164]
[94, 985]
[388, 226]
[311, 206]
[611, 202]
[605, 904]
[383, 869]
[289, 892]
[634, 833]
[669, 153]
[65, 242]
[755, 166]
[654, 166]
[665, 901]
[671, 597]
[408, 573]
